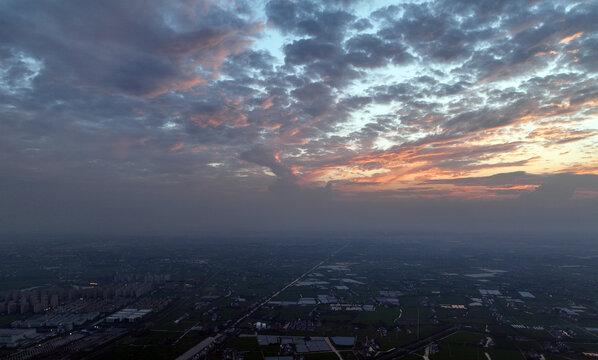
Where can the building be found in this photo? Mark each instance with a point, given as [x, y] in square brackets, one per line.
[12, 337]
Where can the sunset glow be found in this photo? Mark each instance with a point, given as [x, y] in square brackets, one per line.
[241, 102]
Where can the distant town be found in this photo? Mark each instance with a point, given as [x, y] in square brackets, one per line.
[381, 296]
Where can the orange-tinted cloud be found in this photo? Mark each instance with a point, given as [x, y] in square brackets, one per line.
[176, 147]
[268, 103]
[571, 37]
[478, 152]
[230, 114]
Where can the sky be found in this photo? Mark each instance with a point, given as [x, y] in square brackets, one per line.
[186, 117]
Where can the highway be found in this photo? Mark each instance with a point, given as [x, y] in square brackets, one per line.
[209, 341]
[275, 294]
[334, 350]
[189, 354]
[409, 349]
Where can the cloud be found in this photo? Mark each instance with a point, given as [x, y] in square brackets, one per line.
[309, 18]
[314, 112]
[504, 179]
[369, 51]
[571, 37]
[308, 50]
[130, 48]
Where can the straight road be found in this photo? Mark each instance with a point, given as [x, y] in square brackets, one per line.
[207, 342]
[411, 348]
[333, 348]
[189, 354]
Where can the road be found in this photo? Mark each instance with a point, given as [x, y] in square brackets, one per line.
[275, 294]
[189, 354]
[327, 339]
[411, 348]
